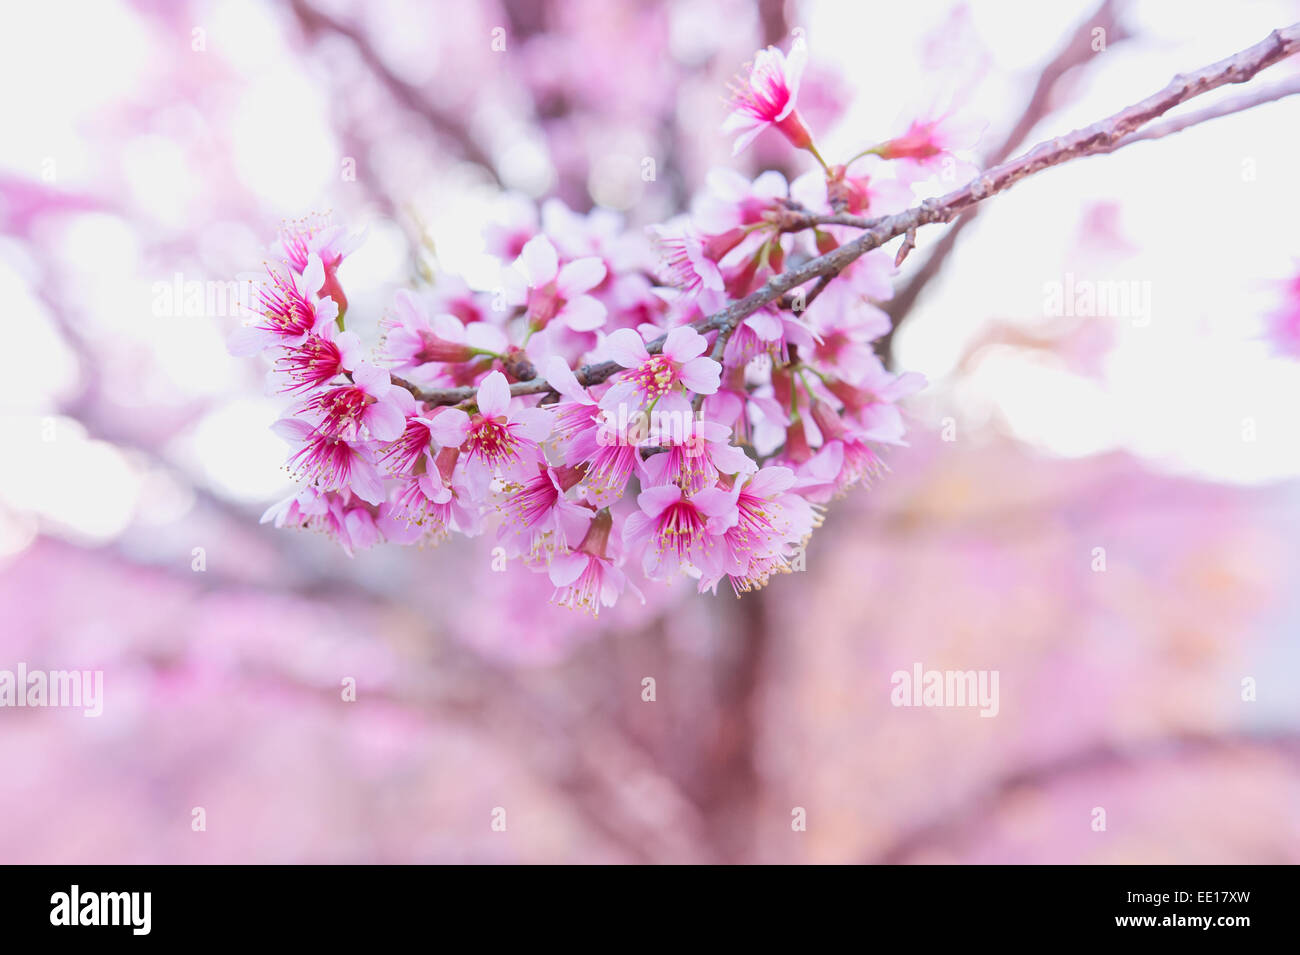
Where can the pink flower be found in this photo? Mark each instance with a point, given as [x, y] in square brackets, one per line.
[731, 201]
[316, 234]
[767, 331]
[865, 192]
[846, 453]
[426, 507]
[455, 510]
[694, 460]
[497, 442]
[317, 237]
[934, 144]
[330, 462]
[354, 525]
[453, 296]
[845, 326]
[380, 465]
[767, 98]
[600, 233]
[413, 446]
[649, 377]
[870, 400]
[691, 259]
[558, 294]
[818, 477]
[298, 509]
[769, 520]
[540, 511]
[413, 339]
[323, 356]
[677, 531]
[287, 314]
[576, 418]
[584, 437]
[371, 407]
[513, 224]
[586, 578]
[349, 520]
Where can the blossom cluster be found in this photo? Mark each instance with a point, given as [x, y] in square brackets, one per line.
[599, 412]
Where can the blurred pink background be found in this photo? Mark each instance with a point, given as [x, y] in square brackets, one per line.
[153, 142]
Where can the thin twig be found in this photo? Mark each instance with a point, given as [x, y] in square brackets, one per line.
[1078, 49]
[1237, 104]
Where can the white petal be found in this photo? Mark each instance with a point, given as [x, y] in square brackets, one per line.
[494, 395]
[538, 261]
[533, 423]
[626, 347]
[313, 277]
[371, 379]
[701, 375]
[580, 275]
[684, 343]
[582, 314]
[384, 420]
[449, 427]
[366, 481]
[293, 430]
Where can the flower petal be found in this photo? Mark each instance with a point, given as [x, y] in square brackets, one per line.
[371, 379]
[701, 375]
[566, 568]
[794, 65]
[293, 430]
[448, 328]
[538, 261]
[730, 459]
[449, 427]
[384, 420]
[409, 309]
[745, 138]
[494, 395]
[626, 347]
[656, 500]
[580, 275]
[366, 482]
[313, 276]
[249, 341]
[532, 423]
[582, 314]
[684, 343]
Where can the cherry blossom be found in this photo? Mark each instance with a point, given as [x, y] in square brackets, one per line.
[601, 420]
[766, 98]
[679, 364]
[557, 293]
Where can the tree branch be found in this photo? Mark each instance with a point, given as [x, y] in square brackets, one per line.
[1097, 758]
[1176, 124]
[441, 122]
[1104, 136]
